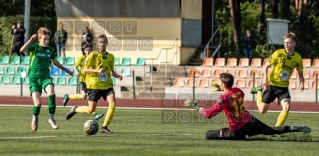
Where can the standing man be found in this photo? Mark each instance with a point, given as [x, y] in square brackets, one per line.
[283, 62]
[248, 44]
[60, 38]
[18, 32]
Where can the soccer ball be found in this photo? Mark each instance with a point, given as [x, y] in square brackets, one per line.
[91, 127]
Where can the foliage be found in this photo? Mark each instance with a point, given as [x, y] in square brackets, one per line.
[35, 23]
[305, 27]
[39, 8]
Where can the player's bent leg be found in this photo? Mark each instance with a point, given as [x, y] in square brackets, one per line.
[213, 134]
[285, 103]
[224, 133]
[92, 109]
[71, 113]
[264, 108]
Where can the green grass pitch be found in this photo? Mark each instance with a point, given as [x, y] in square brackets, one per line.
[145, 132]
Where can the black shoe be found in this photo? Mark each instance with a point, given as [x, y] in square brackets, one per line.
[71, 113]
[104, 129]
[65, 99]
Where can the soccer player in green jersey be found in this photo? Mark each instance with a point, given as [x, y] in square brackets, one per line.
[41, 56]
[80, 63]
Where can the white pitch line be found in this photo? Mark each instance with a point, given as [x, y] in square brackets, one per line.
[148, 108]
[35, 137]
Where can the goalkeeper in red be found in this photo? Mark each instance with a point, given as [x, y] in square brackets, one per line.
[241, 122]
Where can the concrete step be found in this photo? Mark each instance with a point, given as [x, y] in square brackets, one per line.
[155, 83]
[143, 95]
[139, 89]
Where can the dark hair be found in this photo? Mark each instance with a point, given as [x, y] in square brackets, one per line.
[87, 45]
[227, 79]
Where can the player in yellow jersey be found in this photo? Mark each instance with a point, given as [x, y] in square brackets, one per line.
[283, 62]
[80, 63]
[99, 67]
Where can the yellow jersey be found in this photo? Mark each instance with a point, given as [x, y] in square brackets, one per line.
[80, 63]
[283, 66]
[97, 81]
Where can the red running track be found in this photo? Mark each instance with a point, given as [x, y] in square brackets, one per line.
[150, 103]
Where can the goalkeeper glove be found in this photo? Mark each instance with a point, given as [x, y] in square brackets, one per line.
[217, 87]
[192, 104]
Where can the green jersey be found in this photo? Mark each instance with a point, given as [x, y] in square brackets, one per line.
[40, 60]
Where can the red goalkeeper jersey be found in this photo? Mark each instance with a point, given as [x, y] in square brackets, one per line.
[232, 103]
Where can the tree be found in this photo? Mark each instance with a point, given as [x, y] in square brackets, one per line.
[274, 9]
[261, 21]
[234, 8]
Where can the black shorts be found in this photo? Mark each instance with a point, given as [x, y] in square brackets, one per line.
[83, 87]
[251, 128]
[95, 95]
[270, 94]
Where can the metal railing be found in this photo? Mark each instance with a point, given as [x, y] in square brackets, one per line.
[159, 66]
[211, 40]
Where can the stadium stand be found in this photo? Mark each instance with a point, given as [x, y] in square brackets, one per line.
[256, 62]
[208, 62]
[306, 62]
[231, 62]
[243, 62]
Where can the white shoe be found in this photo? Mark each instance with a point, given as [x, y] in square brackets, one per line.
[53, 123]
[34, 123]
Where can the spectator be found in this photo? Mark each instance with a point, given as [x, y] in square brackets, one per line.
[87, 38]
[248, 45]
[18, 32]
[60, 38]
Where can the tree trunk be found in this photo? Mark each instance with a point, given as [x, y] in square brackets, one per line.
[274, 8]
[285, 8]
[261, 21]
[234, 7]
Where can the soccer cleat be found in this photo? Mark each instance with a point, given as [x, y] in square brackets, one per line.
[217, 87]
[256, 89]
[65, 99]
[71, 113]
[34, 123]
[53, 123]
[98, 116]
[104, 129]
[301, 128]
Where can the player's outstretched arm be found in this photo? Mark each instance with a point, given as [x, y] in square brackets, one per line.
[192, 104]
[57, 64]
[114, 74]
[33, 38]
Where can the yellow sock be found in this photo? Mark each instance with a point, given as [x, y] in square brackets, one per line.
[259, 98]
[82, 109]
[75, 97]
[94, 112]
[282, 118]
[109, 114]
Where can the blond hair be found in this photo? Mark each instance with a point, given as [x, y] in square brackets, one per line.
[291, 35]
[43, 31]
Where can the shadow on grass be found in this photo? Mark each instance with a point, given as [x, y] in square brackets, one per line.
[297, 137]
